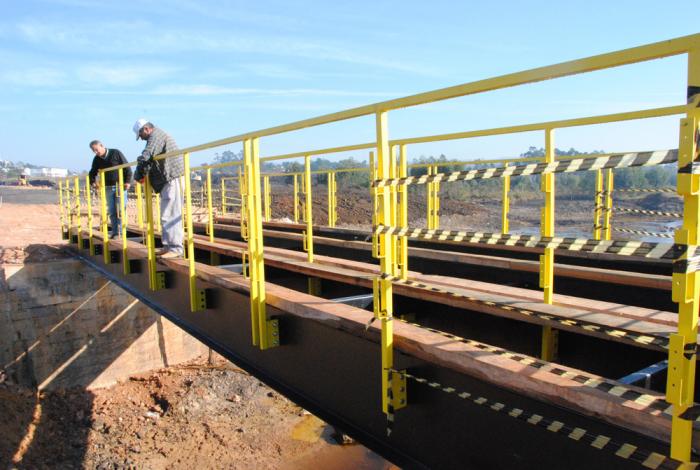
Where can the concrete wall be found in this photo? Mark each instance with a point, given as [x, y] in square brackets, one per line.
[62, 325]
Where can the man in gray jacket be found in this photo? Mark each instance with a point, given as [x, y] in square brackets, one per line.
[165, 177]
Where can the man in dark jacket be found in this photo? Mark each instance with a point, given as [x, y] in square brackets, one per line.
[165, 177]
[105, 158]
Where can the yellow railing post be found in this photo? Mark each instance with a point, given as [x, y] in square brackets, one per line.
[78, 215]
[157, 218]
[375, 203]
[680, 386]
[296, 199]
[383, 304]
[139, 205]
[150, 237]
[308, 212]
[103, 219]
[313, 283]
[265, 332]
[436, 201]
[394, 209]
[429, 200]
[243, 191]
[223, 194]
[88, 198]
[403, 212]
[197, 296]
[332, 215]
[214, 257]
[433, 199]
[598, 208]
[121, 214]
[549, 335]
[61, 208]
[505, 209]
[607, 210]
[267, 198]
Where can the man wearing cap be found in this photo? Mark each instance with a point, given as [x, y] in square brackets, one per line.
[106, 158]
[165, 176]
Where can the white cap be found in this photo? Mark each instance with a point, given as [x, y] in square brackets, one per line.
[138, 125]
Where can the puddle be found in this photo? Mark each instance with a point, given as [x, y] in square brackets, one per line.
[330, 455]
[309, 429]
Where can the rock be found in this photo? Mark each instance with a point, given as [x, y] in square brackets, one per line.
[149, 414]
[341, 438]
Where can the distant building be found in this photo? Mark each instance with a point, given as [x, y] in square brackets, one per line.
[46, 172]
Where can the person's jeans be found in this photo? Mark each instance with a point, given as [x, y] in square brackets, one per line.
[113, 208]
[171, 216]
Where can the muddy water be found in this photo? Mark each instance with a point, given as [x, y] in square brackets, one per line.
[330, 455]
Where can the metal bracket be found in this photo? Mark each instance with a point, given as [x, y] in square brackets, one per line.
[273, 333]
[161, 281]
[399, 397]
[201, 298]
[676, 358]
[114, 256]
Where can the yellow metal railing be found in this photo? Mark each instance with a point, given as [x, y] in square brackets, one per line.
[389, 198]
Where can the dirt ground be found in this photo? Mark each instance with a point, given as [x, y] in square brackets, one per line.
[190, 416]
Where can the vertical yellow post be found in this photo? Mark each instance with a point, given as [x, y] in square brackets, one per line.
[403, 212]
[139, 205]
[607, 210]
[383, 305]
[214, 257]
[436, 201]
[62, 208]
[197, 299]
[264, 331]
[394, 209]
[549, 335]
[598, 208]
[68, 198]
[78, 215]
[88, 198]
[103, 218]
[124, 221]
[429, 200]
[332, 210]
[308, 212]
[375, 203]
[243, 192]
[223, 194]
[296, 199]
[267, 198]
[505, 223]
[680, 386]
[157, 218]
[150, 236]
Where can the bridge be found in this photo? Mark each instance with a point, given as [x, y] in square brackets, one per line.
[454, 351]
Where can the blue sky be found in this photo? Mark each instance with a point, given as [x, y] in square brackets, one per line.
[75, 70]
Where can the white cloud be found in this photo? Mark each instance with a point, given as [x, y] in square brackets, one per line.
[216, 90]
[108, 74]
[128, 37]
[34, 77]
